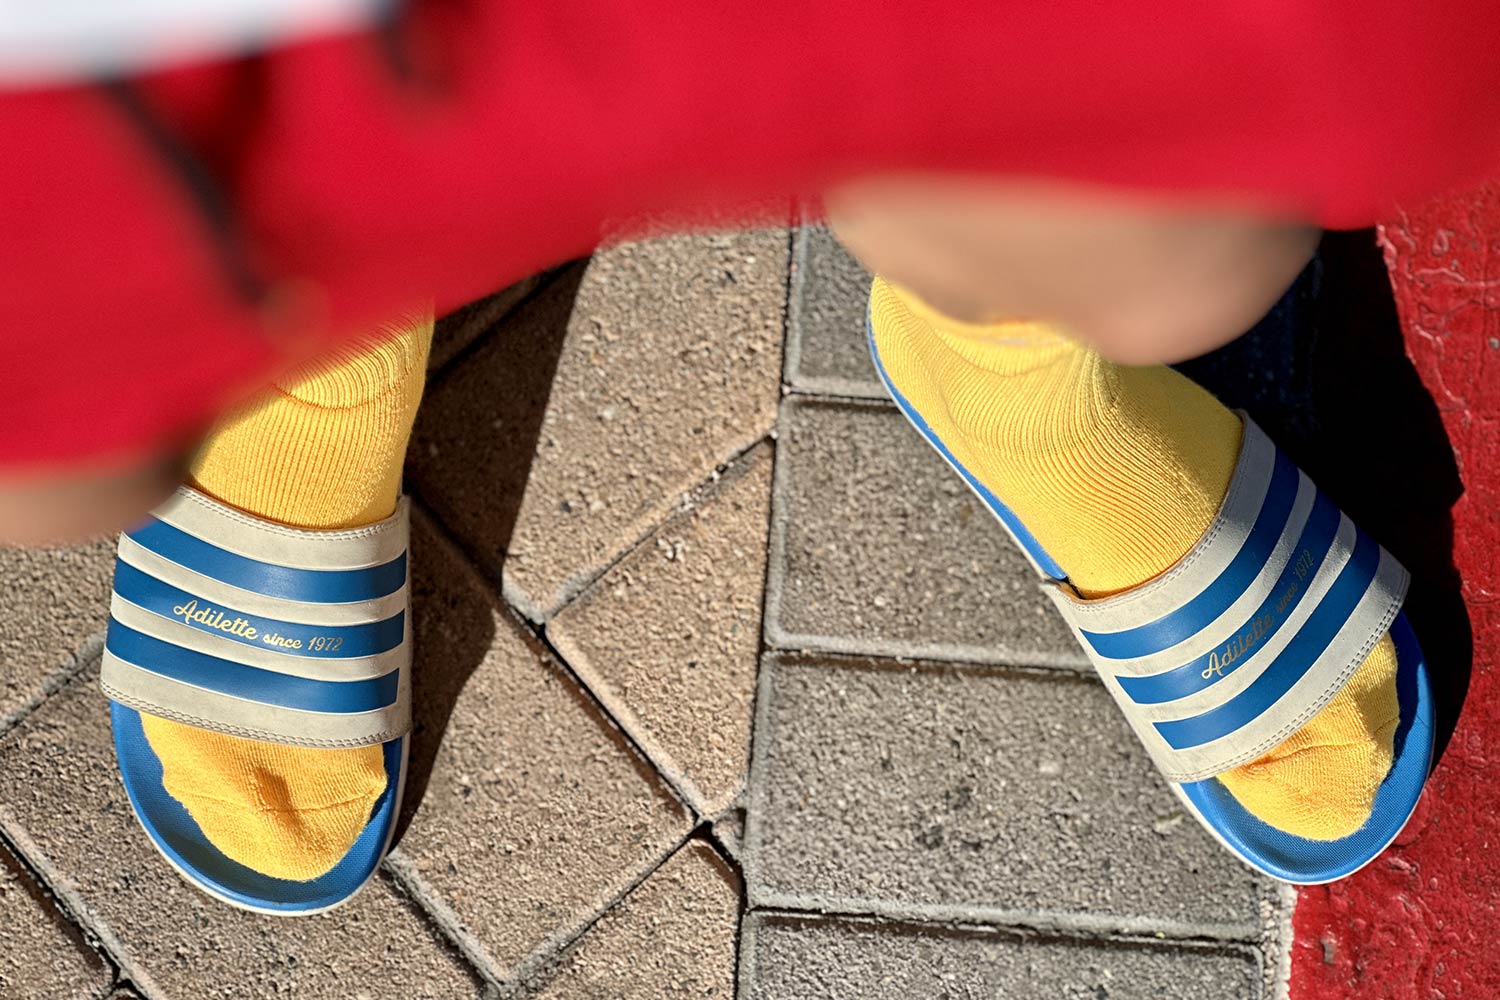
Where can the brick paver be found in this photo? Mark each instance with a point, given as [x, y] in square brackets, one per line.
[670, 636]
[566, 439]
[878, 548]
[975, 793]
[536, 813]
[41, 954]
[829, 295]
[60, 792]
[51, 601]
[673, 938]
[606, 538]
[810, 959]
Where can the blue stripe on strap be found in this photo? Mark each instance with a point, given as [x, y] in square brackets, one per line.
[316, 586]
[1291, 663]
[1216, 598]
[1286, 594]
[292, 638]
[250, 683]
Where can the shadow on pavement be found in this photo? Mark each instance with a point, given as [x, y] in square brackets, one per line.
[1326, 374]
[454, 624]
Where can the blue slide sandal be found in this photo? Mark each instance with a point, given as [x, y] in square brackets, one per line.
[1230, 651]
[226, 622]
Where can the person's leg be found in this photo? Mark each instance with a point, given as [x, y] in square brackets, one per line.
[1116, 470]
[323, 449]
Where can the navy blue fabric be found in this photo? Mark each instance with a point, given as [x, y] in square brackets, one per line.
[1315, 541]
[1291, 663]
[1296, 859]
[314, 586]
[337, 641]
[179, 837]
[1215, 599]
[244, 681]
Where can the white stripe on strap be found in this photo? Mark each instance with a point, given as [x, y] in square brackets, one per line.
[194, 706]
[1249, 635]
[208, 628]
[238, 532]
[264, 657]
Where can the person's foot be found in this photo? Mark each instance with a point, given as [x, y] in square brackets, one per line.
[1118, 472]
[323, 450]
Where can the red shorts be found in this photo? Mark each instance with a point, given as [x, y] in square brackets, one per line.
[168, 242]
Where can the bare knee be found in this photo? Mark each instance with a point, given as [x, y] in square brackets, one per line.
[1144, 282]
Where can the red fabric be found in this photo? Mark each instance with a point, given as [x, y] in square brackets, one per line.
[1420, 922]
[527, 126]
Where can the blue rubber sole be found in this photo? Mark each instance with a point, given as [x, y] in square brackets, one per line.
[1273, 852]
[174, 832]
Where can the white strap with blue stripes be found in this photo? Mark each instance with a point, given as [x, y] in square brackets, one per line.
[226, 622]
[1250, 634]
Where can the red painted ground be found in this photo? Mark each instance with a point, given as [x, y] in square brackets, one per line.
[1424, 920]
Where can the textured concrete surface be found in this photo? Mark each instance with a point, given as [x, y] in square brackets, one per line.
[975, 793]
[61, 800]
[536, 813]
[460, 328]
[808, 959]
[669, 637]
[829, 297]
[41, 954]
[673, 938]
[598, 511]
[51, 601]
[879, 548]
[663, 360]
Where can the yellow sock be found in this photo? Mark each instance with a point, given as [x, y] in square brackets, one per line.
[1118, 472]
[323, 450]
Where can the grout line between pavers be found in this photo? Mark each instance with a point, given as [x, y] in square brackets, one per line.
[900, 650]
[777, 636]
[545, 280]
[75, 908]
[664, 774]
[687, 500]
[690, 500]
[443, 919]
[1052, 922]
[78, 660]
[1279, 979]
[555, 946]
[836, 388]
[85, 936]
[796, 283]
[623, 716]
[761, 739]
[538, 634]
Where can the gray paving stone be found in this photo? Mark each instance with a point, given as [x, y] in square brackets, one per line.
[60, 793]
[669, 638]
[672, 938]
[534, 814]
[879, 548]
[975, 793]
[41, 954]
[52, 601]
[468, 323]
[830, 294]
[789, 958]
[570, 434]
